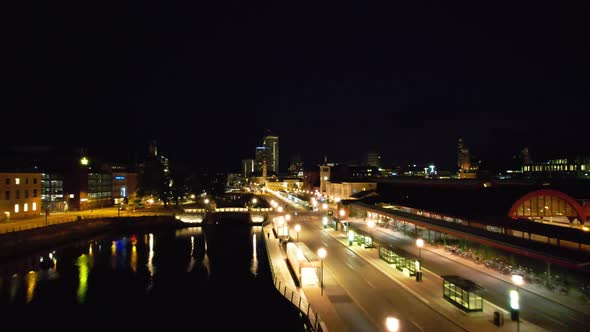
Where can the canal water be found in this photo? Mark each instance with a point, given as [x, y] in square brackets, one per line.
[209, 278]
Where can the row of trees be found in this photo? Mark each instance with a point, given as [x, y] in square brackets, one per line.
[173, 184]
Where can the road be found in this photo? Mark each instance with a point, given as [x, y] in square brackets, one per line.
[364, 296]
[367, 286]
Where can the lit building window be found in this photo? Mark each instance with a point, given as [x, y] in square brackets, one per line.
[34, 206]
[26, 207]
[16, 208]
[16, 180]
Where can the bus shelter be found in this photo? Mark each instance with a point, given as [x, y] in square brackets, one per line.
[361, 239]
[463, 293]
[304, 263]
[407, 265]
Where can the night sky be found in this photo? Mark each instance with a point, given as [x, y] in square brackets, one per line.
[208, 78]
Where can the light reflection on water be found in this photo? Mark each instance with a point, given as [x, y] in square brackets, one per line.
[84, 269]
[89, 274]
[150, 263]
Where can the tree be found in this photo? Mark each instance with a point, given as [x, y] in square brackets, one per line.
[152, 180]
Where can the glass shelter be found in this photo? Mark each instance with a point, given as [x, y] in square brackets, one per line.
[463, 293]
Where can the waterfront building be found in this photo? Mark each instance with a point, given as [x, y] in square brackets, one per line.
[20, 195]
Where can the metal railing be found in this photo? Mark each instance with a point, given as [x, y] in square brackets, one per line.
[306, 312]
[24, 224]
[310, 316]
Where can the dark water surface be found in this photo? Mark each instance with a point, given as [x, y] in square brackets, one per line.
[209, 278]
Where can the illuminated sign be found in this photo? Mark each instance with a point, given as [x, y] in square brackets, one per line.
[119, 177]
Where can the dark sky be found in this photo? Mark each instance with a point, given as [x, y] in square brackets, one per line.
[208, 78]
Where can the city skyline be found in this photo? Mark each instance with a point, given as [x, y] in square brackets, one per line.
[406, 80]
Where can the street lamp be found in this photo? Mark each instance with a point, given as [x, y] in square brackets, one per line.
[325, 221]
[206, 201]
[518, 280]
[287, 217]
[297, 229]
[322, 254]
[392, 324]
[342, 213]
[420, 244]
[371, 224]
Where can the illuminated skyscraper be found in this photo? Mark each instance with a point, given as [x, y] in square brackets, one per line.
[463, 157]
[272, 144]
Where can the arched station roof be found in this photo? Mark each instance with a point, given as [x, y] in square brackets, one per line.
[546, 203]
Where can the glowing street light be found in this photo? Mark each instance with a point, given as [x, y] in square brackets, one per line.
[371, 224]
[392, 324]
[419, 244]
[287, 217]
[297, 229]
[325, 221]
[206, 201]
[518, 280]
[342, 213]
[322, 254]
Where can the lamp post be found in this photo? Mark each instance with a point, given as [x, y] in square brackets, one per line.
[280, 228]
[322, 254]
[419, 244]
[518, 280]
[297, 229]
[392, 324]
[371, 224]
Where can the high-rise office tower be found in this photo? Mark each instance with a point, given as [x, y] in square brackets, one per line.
[463, 156]
[272, 144]
[247, 167]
